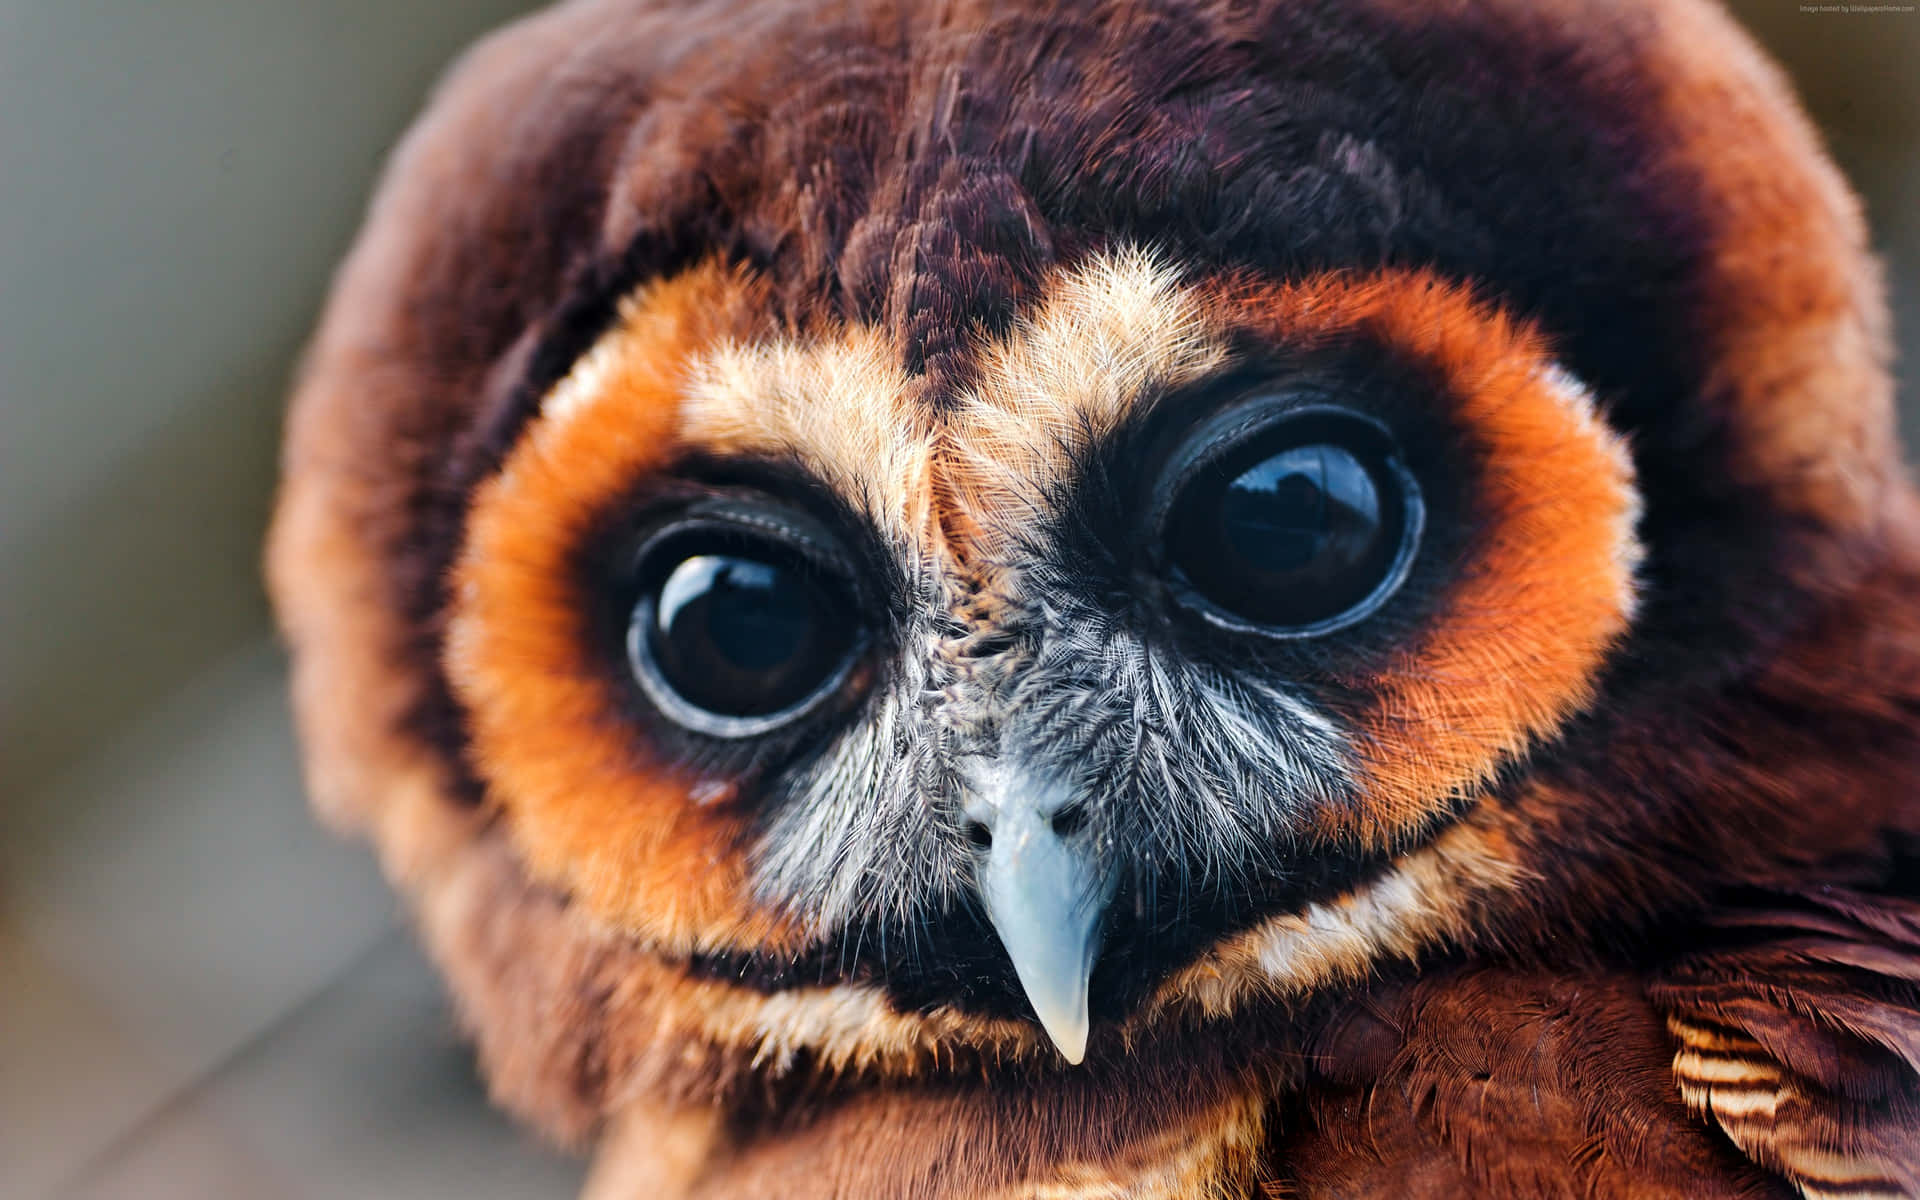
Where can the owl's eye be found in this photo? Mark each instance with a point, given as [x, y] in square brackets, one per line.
[743, 619]
[1288, 521]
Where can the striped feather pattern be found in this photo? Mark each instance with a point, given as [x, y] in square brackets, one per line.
[1802, 1040]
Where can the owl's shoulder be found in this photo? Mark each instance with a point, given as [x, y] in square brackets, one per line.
[1777, 1053]
[1501, 1082]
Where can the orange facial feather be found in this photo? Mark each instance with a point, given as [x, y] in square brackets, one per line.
[589, 807]
[1514, 647]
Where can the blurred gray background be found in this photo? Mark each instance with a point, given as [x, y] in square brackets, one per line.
[201, 995]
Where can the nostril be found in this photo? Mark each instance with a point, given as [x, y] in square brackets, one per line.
[1069, 820]
[987, 645]
[979, 834]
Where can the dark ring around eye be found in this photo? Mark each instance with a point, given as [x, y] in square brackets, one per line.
[1261, 430]
[798, 586]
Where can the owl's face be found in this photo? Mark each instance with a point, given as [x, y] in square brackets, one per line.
[1200, 601]
[861, 545]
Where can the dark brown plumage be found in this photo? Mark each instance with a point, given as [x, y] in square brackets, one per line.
[1579, 861]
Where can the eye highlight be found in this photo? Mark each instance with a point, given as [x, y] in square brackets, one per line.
[743, 618]
[1287, 520]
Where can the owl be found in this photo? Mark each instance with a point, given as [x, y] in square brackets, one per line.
[1148, 598]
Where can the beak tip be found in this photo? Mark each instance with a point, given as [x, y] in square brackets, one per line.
[1073, 1049]
[1067, 1031]
[1062, 1015]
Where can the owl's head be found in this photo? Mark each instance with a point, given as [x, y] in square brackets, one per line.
[848, 537]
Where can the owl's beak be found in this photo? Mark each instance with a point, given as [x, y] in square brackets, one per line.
[1046, 890]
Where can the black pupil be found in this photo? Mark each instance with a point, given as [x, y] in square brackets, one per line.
[740, 634]
[1288, 536]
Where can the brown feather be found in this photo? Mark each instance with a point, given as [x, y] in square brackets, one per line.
[1503, 1083]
